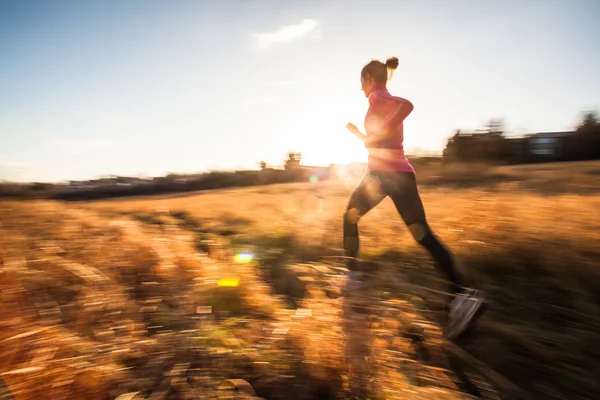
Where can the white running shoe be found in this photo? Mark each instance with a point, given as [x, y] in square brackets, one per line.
[463, 310]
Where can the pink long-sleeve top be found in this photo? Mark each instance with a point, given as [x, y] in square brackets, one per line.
[385, 131]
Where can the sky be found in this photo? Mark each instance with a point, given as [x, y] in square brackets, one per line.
[144, 87]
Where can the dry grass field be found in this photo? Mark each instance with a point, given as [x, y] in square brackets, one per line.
[235, 293]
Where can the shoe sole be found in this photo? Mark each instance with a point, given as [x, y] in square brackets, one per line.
[471, 324]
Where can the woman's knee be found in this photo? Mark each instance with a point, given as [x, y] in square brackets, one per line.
[352, 216]
[420, 231]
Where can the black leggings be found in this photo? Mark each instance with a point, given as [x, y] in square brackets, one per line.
[402, 189]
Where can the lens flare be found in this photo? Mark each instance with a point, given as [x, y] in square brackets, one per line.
[229, 282]
[243, 258]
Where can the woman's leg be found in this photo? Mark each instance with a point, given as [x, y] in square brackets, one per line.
[466, 306]
[355, 324]
[367, 195]
[402, 188]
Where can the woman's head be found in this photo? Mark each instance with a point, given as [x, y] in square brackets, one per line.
[376, 74]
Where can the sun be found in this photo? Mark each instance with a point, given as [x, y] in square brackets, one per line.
[332, 146]
[325, 140]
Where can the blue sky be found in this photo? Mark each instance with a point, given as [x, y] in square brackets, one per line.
[91, 88]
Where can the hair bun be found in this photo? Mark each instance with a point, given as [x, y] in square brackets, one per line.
[392, 63]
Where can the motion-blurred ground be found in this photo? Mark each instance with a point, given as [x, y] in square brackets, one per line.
[181, 297]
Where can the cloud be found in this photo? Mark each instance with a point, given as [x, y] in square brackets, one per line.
[286, 34]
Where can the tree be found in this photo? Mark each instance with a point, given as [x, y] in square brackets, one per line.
[589, 124]
[263, 165]
[586, 141]
[495, 127]
[293, 161]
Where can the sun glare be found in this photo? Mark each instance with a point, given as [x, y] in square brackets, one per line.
[334, 146]
[328, 141]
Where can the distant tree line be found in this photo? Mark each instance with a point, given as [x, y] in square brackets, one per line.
[172, 183]
[492, 145]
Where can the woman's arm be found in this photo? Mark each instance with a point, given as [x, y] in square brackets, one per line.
[356, 132]
[367, 140]
[390, 112]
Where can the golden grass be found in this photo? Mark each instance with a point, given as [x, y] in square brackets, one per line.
[105, 298]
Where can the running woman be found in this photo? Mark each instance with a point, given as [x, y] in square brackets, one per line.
[389, 173]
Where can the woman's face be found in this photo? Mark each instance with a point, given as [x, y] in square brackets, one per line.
[366, 84]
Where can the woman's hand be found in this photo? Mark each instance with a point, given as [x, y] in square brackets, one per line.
[352, 128]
